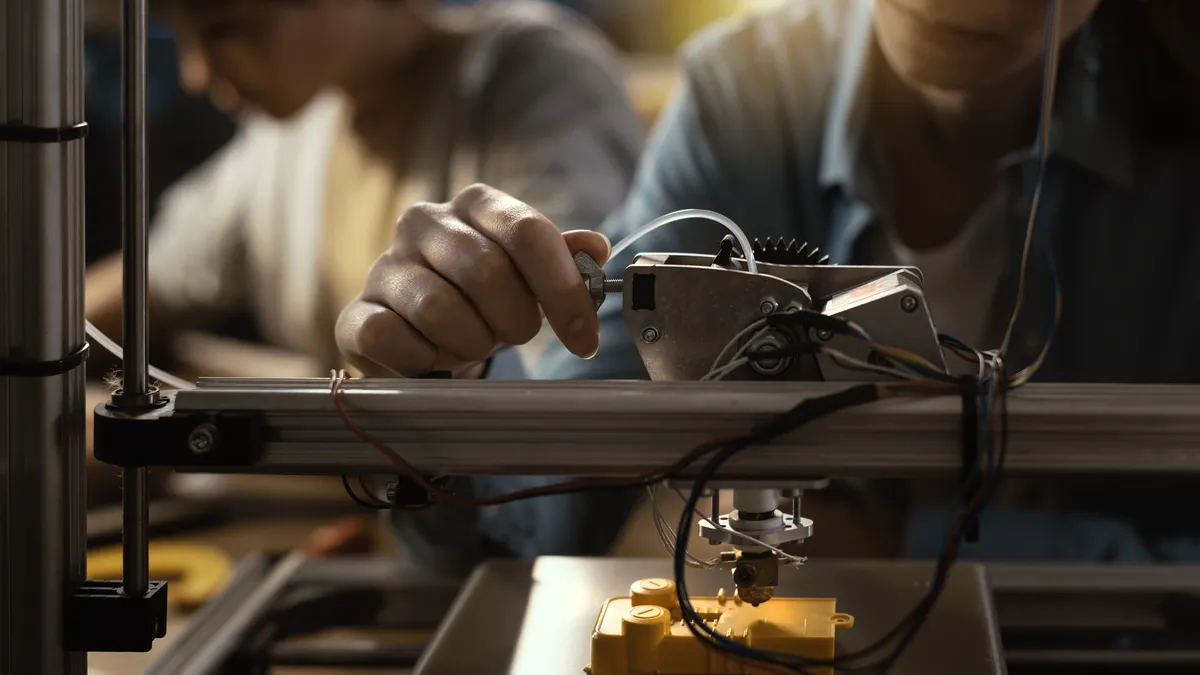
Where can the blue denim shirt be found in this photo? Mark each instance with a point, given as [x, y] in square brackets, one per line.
[766, 128]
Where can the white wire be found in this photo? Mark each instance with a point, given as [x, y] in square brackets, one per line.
[724, 371]
[666, 534]
[733, 343]
[115, 349]
[687, 214]
[795, 559]
[737, 359]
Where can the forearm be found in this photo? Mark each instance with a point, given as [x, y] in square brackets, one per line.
[104, 308]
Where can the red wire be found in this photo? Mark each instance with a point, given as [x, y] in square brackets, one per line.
[439, 494]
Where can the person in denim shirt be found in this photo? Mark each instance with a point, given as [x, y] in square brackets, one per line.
[901, 131]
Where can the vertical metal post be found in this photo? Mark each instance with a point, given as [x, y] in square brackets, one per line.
[136, 391]
[42, 423]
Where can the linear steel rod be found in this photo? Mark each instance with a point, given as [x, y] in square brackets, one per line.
[134, 197]
[135, 391]
[42, 431]
[629, 428]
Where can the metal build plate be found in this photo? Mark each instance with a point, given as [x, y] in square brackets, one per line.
[536, 617]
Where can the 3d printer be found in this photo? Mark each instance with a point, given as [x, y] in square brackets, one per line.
[795, 331]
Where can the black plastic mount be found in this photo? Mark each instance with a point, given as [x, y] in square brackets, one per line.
[172, 439]
[101, 618]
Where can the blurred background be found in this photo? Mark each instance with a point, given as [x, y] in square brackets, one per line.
[184, 130]
[217, 520]
[203, 525]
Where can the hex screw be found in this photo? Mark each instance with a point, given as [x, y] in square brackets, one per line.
[767, 307]
[909, 304]
[650, 335]
[202, 439]
[793, 494]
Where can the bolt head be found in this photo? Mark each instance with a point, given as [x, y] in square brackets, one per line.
[824, 335]
[650, 334]
[202, 439]
[767, 307]
[909, 303]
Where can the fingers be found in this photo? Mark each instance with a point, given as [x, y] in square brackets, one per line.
[485, 274]
[540, 254]
[431, 305]
[592, 243]
[378, 342]
[464, 278]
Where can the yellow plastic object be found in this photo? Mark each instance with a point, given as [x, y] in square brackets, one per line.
[196, 573]
[643, 635]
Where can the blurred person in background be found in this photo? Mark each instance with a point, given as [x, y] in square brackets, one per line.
[182, 131]
[589, 8]
[893, 132]
[349, 112]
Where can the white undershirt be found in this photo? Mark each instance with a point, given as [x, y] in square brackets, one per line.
[961, 277]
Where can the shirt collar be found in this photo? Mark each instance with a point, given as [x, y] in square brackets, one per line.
[1089, 128]
[846, 116]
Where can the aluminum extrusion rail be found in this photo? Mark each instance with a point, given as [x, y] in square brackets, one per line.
[627, 428]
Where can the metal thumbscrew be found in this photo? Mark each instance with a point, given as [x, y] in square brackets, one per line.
[650, 334]
[597, 284]
[202, 439]
[909, 303]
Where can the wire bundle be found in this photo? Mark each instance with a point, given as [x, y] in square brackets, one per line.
[888, 648]
[902, 364]
[991, 383]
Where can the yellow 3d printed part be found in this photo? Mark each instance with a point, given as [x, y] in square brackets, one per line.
[196, 572]
[643, 634]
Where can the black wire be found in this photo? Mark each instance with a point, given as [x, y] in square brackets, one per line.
[359, 500]
[993, 483]
[905, 630]
[803, 413]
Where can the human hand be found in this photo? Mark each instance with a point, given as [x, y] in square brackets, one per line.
[464, 279]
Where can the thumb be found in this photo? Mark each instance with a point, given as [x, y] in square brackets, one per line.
[592, 243]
